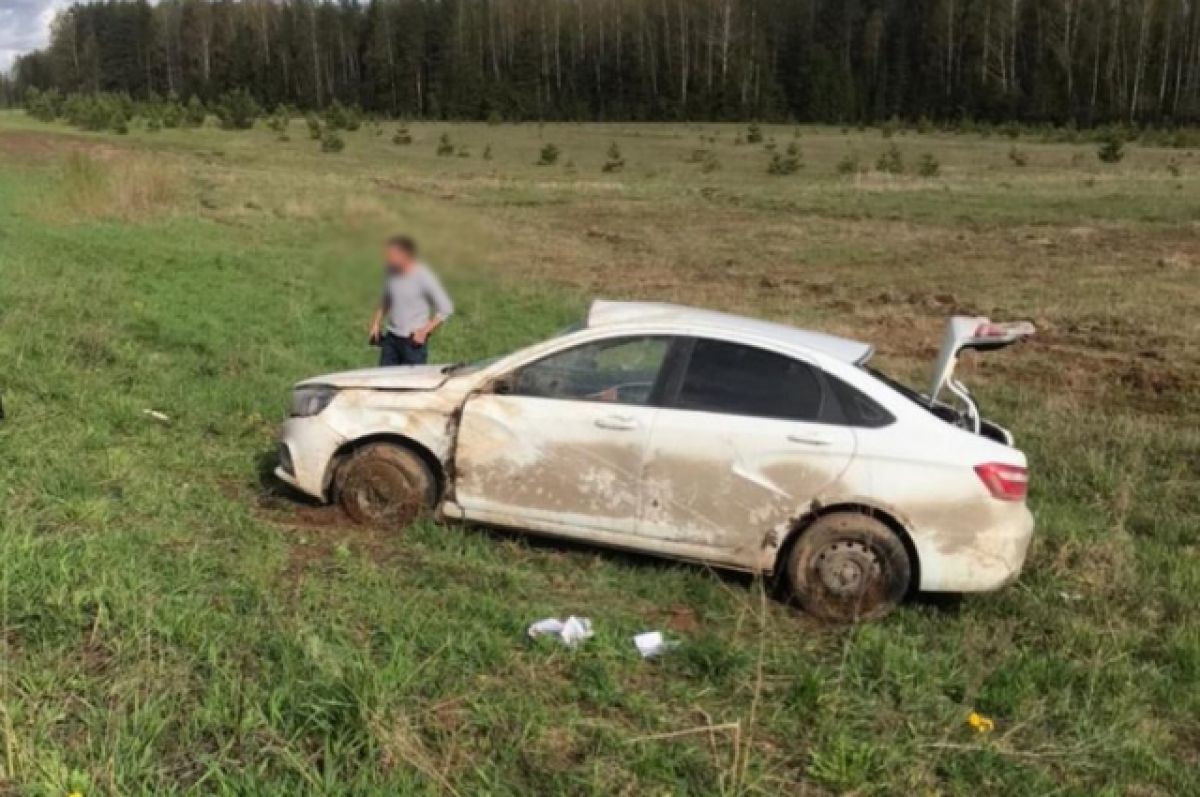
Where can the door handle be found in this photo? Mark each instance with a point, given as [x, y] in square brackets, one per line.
[810, 439]
[621, 423]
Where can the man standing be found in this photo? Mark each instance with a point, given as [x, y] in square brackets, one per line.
[414, 303]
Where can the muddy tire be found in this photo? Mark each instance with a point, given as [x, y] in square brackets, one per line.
[385, 485]
[848, 567]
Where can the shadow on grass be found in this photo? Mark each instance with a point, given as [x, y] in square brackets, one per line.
[548, 544]
[273, 492]
[277, 496]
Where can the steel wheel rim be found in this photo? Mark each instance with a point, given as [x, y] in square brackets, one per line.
[847, 569]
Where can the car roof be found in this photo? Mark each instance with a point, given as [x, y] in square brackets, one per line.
[691, 319]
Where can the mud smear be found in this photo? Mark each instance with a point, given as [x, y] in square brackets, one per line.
[599, 480]
[714, 502]
[953, 526]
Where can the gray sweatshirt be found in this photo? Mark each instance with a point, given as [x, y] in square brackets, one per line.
[411, 299]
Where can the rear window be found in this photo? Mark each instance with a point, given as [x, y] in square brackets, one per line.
[858, 408]
[939, 409]
[899, 387]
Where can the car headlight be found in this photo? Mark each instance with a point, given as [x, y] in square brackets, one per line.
[308, 401]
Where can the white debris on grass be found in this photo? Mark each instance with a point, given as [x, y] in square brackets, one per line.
[158, 416]
[652, 644]
[571, 631]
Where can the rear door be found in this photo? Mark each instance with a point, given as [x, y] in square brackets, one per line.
[560, 443]
[744, 441]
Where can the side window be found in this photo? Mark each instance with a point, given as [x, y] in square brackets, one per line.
[618, 370]
[857, 407]
[742, 380]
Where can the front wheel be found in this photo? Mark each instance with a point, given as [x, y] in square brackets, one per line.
[385, 485]
[848, 567]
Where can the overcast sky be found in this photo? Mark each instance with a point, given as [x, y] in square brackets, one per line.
[25, 26]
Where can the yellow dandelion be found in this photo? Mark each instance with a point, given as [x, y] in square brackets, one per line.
[75, 794]
[980, 723]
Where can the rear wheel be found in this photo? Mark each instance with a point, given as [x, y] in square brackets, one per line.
[848, 567]
[383, 484]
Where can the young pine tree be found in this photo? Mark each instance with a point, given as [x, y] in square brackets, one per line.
[314, 126]
[891, 161]
[928, 166]
[782, 164]
[279, 119]
[615, 162]
[195, 113]
[549, 155]
[237, 110]
[332, 142]
[1112, 148]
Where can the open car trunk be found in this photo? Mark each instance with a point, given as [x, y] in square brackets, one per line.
[964, 333]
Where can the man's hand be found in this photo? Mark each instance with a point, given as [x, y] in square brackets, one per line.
[373, 332]
[421, 335]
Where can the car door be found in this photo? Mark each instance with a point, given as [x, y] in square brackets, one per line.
[560, 442]
[743, 444]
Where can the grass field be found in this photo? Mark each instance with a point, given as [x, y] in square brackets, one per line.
[171, 622]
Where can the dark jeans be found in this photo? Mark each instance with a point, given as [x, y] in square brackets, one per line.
[401, 351]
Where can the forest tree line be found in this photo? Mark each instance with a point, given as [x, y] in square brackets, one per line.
[1060, 61]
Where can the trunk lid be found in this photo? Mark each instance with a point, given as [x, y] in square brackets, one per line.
[971, 332]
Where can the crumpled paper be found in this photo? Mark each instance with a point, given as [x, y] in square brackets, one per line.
[570, 632]
[652, 644]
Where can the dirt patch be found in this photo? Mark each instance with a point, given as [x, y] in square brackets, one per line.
[96, 657]
[321, 536]
[282, 510]
[37, 146]
[895, 282]
[1156, 382]
[401, 743]
[682, 619]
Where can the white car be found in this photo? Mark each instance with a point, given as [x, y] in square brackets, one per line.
[696, 435]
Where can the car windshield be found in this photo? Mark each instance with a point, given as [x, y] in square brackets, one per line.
[462, 369]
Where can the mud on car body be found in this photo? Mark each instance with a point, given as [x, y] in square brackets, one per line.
[695, 435]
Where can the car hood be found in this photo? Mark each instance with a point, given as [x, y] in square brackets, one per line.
[397, 377]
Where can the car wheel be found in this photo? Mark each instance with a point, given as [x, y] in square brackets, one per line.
[848, 567]
[385, 485]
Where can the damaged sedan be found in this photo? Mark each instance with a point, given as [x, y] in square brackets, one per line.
[696, 435]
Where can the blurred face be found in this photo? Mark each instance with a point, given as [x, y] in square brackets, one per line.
[397, 259]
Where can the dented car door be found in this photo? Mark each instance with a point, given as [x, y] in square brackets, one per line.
[742, 445]
[560, 443]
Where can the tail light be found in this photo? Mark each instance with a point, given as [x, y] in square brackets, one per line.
[1005, 482]
[1012, 330]
[989, 331]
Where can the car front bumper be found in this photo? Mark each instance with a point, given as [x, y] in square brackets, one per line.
[306, 449]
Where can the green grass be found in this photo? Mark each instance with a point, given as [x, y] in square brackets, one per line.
[170, 623]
